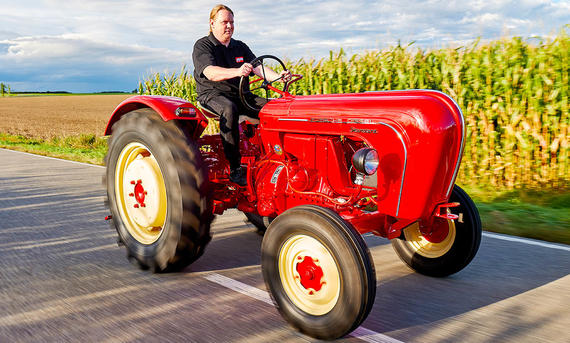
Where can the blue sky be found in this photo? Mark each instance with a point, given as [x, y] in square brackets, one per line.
[102, 45]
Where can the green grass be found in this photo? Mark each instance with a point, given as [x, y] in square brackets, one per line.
[543, 215]
[81, 148]
[538, 214]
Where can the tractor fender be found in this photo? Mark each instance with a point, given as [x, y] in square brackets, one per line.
[165, 106]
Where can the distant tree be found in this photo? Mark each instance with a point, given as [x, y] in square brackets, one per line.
[5, 89]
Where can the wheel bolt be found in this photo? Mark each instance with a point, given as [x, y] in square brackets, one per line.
[131, 194]
[136, 206]
[311, 292]
[133, 182]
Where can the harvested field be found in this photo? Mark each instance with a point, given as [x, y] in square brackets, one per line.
[57, 116]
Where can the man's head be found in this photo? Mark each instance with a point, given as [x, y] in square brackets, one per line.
[222, 23]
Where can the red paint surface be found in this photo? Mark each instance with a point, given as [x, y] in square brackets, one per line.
[311, 274]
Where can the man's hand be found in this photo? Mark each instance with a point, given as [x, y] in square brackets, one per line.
[245, 69]
[285, 76]
[270, 75]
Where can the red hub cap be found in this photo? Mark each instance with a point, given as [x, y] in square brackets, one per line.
[311, 274]
[439, 231]
[140, 193]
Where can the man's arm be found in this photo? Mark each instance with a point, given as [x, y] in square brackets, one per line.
[215, 73]
[271, 75]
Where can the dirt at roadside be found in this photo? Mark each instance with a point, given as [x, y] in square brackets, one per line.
[49, 116]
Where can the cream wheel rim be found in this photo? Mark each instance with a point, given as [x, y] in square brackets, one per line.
[316, 289]
[425, 248]
[141, 193]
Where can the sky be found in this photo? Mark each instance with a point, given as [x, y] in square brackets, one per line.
[104, 45]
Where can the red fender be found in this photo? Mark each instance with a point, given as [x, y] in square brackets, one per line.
[165, 106]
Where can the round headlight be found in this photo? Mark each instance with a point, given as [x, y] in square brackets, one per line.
[365, 160]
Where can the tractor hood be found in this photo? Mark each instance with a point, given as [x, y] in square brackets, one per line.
[419, 136]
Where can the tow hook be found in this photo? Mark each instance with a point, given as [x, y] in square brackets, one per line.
[445, 214]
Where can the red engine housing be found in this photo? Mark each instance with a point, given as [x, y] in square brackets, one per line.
[418, 135]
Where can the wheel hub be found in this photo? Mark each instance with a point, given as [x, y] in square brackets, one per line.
[434, 244]
[437, 232]
[309, 274]
[143, 183]
[141, 193]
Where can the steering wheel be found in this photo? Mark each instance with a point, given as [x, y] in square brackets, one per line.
[267, 85]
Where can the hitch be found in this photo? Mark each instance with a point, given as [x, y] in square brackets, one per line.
[445, 214]
[436, 225]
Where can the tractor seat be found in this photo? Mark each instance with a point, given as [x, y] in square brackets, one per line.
[213, 115]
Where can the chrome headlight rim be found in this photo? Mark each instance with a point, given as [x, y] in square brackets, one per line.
[366, 161]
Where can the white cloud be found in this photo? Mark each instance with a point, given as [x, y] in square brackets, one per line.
[76, 49]
[87, 65]
[125, 39]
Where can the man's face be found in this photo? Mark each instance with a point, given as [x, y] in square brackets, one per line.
[223, 26]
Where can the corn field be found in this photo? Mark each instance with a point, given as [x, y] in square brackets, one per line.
[513, 94]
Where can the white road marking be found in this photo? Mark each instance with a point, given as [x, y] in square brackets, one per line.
[54, 158]
[371, 336]
[527, 241]
[256, 293]
[240, 287]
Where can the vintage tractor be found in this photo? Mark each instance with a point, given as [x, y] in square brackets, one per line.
[322, 170]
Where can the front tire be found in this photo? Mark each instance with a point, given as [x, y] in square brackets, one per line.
[318, 271]
[157, 191]
[445, 255]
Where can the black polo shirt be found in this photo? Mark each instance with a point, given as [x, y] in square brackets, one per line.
[208, 51]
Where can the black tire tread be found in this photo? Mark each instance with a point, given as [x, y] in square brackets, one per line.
[321, 327]
[461, 253]
[183, 159]
[368, 263]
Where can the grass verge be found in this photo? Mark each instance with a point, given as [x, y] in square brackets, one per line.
[81, 148]
[543, 215]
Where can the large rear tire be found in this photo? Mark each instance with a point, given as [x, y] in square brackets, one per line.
[157, 191]
[445, 255]
[318, 271]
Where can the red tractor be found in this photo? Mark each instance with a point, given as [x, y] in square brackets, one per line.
[322, 170]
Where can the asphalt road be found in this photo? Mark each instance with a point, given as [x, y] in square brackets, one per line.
[63, 278]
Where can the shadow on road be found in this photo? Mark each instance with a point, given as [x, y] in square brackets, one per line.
[501, 270]
[234, 245]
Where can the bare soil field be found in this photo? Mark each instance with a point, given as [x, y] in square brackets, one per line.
[50, 116]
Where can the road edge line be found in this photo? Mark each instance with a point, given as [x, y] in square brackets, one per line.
[526, 241]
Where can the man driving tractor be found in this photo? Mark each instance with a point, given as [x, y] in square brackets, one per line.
[219, 63]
